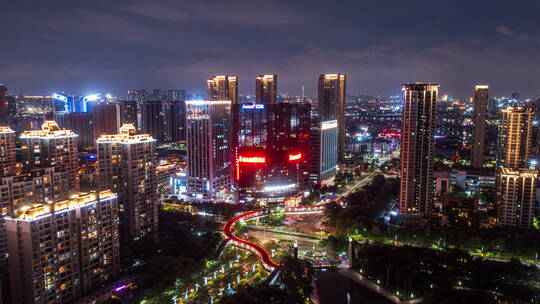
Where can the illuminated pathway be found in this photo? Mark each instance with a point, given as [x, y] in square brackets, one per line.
[267, 261]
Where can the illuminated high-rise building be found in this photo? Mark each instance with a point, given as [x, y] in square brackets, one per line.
[328, 130]
[517, 197]
[7, 168]
[250, 160]
[515, 137]
[331, 105]
[3, 104]
[481, 97]
[226, 88]
[273, 149]
[324, 142]
[35, 104]
[127, 166]
[52, 147]
[7, 151]
[253, 128]
[38, 184]
[209, 148]
[223, 87]
[417, 147]
[266, 89]
[288, 144]
[63, 250]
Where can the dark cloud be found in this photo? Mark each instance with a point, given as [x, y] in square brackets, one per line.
[111, 46]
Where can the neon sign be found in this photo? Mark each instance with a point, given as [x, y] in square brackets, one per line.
[252, 159]
[295, 156]
[256, 106]
[279, 188]
[92, 97]
[60, 97]
[329, 124]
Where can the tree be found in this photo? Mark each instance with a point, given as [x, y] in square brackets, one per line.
[257, 295]
[331, 212]
[296, 275]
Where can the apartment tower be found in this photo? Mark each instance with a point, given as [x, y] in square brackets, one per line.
[127, 166]
[481, 96]
[63, 250]
[417, 147]
[266, 89]
[52, 147]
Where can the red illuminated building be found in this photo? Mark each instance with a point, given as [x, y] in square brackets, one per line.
[273, 142]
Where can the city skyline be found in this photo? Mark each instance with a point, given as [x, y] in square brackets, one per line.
[261, 152]
[138, 44]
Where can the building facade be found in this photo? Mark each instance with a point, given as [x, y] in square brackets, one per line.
[52, 147]
[152, 119]
[141, 95]
[128, 112]
[3, 104]
[8, 160]
[325, 145]
[81, 124]
[104, 119]
[481, 97]
[266, 89]
[273, 150]
[127, 166]
[61, 251]
[331, 105]
[209, 148]
[517, 197]
[417, 147]
[515, 137]
[223, 87]
[174, 121]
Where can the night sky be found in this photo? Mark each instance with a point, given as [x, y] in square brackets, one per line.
[111, 46]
